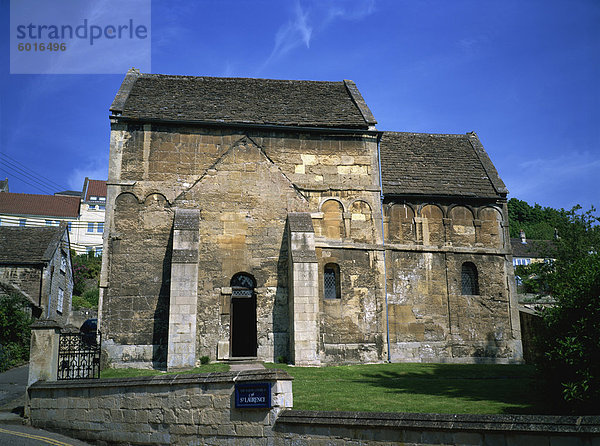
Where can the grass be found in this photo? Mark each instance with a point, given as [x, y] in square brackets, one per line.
[422, 388]
[130, 373]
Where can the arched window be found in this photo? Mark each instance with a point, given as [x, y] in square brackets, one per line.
[242, 285]
[470, 283]
[331, 282]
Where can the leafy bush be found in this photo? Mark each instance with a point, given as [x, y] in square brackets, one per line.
[15, 331]
[571, 336]
[86, 273]
[204, 360]
[88, 300]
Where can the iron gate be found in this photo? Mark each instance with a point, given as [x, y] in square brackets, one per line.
[79, 355]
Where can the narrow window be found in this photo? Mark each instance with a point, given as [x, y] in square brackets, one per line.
[90, 227]
[331, 282]
[22, 222]
[48, 222]
[59, 302]
[100, 227]
[63, 262]
[98, 252]
[470, 284]
[70, 226]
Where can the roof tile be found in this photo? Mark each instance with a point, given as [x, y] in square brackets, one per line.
[241, 100]
[436, 164]
[39, 205]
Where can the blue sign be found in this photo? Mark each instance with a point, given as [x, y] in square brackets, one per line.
[253, 395]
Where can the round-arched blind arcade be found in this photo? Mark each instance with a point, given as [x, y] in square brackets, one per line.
[242, 285]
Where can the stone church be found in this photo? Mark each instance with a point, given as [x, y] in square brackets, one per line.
[271, 219]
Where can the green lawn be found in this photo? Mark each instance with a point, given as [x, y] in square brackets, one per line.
[424, 388]
[128, 373]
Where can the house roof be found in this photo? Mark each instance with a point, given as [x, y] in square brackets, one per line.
[95, 188]
[39, 205]
[438, 165]
[534, 249]
[29, 245]
[242, 101]
[71, 193]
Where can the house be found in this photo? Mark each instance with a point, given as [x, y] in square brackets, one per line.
[526, 252]
[271, 219]
[83, 211]
[31, 210]
[36, 263]
[91, 217]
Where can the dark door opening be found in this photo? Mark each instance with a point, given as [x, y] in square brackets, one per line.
[243, 316]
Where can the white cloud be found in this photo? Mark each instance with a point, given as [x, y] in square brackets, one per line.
[309, 20]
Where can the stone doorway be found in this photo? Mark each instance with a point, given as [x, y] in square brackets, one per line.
[243, 316]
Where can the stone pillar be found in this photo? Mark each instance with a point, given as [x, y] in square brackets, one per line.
[43, 356]
[303, 290]
[183, 304]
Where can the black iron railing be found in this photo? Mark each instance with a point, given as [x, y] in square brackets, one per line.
[79, 355]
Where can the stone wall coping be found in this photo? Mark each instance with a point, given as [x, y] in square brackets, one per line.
[46, 323]
[170, 380]
[467, 422]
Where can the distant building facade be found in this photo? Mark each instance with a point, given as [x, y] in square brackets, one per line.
[271, 219]
[35, 262]
[83, 212]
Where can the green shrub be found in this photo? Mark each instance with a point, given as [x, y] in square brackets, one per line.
[204, 360]
[15, 331]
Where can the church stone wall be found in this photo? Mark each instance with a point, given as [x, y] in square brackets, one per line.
[244, 185]
[430, 319]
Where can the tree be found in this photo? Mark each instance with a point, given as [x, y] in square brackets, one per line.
[15, 331]
[86, 273]
[537, 222]
[570, 341]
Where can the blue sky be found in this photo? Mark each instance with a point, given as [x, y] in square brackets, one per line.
[524, 75]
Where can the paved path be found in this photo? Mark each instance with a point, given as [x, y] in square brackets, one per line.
[12, 385]
[19, 435]
[12, 399]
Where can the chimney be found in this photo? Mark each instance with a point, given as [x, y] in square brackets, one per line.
[522, 235]
[556, 237]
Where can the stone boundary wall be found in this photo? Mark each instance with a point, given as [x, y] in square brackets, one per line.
[304, 427]
[200, 409]
[164, 409]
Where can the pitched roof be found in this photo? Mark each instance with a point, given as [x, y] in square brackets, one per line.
[96, 188]
[242, 101]
[32, 245]
[535, 249]
[439, 165]
[71, 193]
[39, 205]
